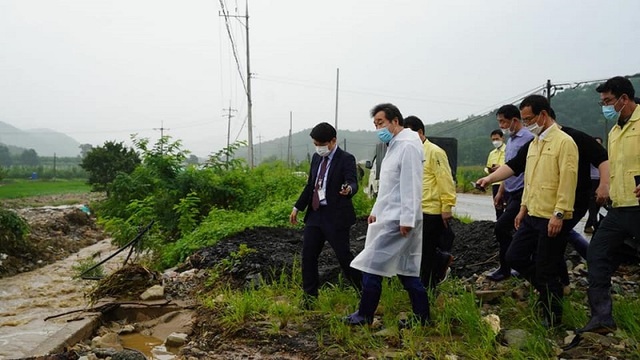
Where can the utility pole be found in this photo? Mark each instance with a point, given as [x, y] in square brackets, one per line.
[249, 102]
[229, 116]
[162, 129]
[290, 147]
[549, 90]
[337, 87]
[248, 81]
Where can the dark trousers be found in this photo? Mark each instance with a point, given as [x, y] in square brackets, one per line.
[372, 289]
[432, 229]
[504, 226]
[536, 256]
[619, 224]
[594, 208]
[500, 207]
[314, 239]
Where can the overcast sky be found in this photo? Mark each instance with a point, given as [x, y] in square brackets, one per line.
[100, 70]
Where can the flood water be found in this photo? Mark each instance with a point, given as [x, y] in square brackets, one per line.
[28, 298]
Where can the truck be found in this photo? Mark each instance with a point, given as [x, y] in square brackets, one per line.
[448, 144]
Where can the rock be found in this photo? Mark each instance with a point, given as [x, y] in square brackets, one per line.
[176, 340]
[108, 341]
[129, 355]
[597, 339]
[153, 293]
[515, 338]
[493, 321]
[127, 329]
[160, 352]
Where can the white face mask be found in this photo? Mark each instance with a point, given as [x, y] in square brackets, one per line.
[323, 150]
[497, 143]
[535, 129]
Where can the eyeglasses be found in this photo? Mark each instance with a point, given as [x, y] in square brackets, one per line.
[529, 119]
[608, 101]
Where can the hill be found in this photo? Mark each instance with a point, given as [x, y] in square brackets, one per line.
[44, 141]
[575, 107]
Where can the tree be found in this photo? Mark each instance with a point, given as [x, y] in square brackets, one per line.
[84, 149]
[104, 163]
[5, 156]
[29, 158]
[192, 160]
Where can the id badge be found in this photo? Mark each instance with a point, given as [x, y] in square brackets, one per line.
[321, 194]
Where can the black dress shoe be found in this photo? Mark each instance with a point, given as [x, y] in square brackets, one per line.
[499, 275]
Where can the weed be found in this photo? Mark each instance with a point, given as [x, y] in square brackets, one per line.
[86, 264]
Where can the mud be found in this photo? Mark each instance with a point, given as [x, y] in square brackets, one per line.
[474, 249]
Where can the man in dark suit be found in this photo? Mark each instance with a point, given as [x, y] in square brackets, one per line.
[330, 214]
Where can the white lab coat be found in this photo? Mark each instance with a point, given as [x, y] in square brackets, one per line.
[386, 252]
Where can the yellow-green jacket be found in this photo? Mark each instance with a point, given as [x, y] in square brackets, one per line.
[624, 161]
[438, 189]
[551, 174]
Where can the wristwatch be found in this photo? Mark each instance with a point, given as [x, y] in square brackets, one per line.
[558, 214]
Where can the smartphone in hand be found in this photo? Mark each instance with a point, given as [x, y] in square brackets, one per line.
[478, 187]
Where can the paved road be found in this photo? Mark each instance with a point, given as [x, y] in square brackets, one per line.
[480, 207]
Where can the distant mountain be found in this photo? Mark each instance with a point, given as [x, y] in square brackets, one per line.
[359, 143]
[44, 141]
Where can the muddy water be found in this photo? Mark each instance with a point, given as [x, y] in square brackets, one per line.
[27, 298]
[150, 346]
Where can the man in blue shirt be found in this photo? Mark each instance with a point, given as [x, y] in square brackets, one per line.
[510, 191]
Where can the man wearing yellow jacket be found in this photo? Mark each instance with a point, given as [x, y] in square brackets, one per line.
[550, 179]
[438, 198]
[618, 104]
[495, 159]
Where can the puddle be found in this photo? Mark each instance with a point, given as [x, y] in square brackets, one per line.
[152, 347]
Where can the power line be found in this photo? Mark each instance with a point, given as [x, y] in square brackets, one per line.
[511, 100]
[225, 14]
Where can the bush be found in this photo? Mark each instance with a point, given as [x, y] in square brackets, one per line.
[13, 231]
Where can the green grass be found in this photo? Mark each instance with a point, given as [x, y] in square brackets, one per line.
[458, 326]
[16, 189]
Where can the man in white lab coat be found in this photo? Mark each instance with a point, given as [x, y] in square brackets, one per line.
[394, 237]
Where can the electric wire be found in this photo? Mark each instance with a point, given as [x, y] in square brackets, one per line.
[233, 45]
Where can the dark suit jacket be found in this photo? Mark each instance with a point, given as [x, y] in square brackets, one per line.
[342, 169]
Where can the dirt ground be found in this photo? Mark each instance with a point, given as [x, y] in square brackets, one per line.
[55, 231]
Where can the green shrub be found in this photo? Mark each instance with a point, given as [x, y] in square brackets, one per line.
[13, 232]
[84, 265]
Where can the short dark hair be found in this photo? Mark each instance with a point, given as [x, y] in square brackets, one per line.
[509, 111]
[617, 86]
[537, 104]
[323, 132]
[414, 123]
[497, 132]
[390, 112]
